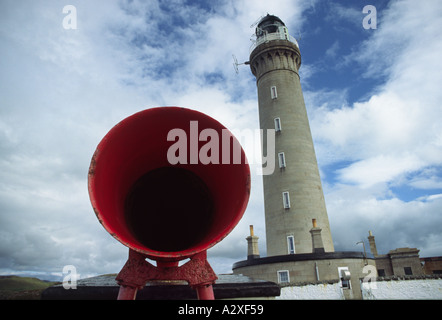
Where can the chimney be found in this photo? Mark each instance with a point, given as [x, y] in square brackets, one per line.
[252, 245]
[317, 244]
[373, 249]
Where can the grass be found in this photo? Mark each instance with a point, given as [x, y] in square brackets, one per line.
[22, 288]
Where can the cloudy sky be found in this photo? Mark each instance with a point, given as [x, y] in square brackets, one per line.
[372, 95]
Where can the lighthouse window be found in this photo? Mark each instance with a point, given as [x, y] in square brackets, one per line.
[286, 200]
[281, 158]
[278, 127]
[291, 244]
[273, 92]
[283, 276]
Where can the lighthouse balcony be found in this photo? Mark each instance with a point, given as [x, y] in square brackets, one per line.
[271, 37]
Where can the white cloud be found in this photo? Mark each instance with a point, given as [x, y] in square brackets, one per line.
[333, 50]
[62, 90]
[432, 182]
[391, 140]
[396, 131]
[395, 223]
[339, 13]
[379, 169]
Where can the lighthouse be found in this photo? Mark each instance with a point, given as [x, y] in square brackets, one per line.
[299, 242]
[293, 194]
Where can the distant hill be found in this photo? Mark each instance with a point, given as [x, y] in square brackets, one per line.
[22, 288]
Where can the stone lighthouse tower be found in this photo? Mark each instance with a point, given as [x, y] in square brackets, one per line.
[293, 194]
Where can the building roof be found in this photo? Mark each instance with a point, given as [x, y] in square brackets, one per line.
[270, 19]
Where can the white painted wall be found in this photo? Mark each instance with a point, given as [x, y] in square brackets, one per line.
[312, 292]
[424, 289]
[427, 289]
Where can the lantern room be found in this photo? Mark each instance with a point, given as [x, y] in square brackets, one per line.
[271, 25]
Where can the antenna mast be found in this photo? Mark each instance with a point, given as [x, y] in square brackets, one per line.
[236, 64]
[256, 22]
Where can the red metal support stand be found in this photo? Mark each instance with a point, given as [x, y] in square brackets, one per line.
[205, 292]
[137, 272]
[127, 293]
